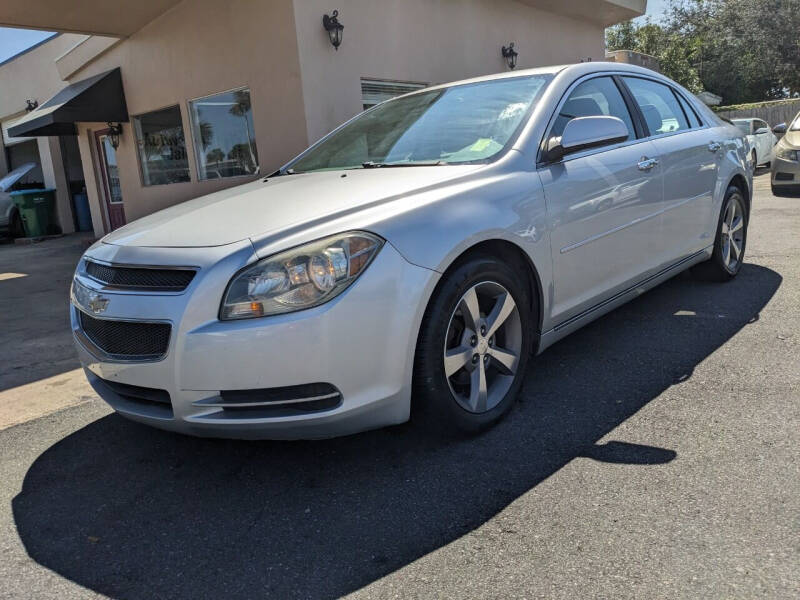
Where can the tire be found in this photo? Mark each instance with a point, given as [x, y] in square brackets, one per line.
[755, 161]
[725, 263]
[779, 192]
[16, 228]
[446, 404]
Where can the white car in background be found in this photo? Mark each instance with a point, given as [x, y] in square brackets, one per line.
[761, 139]
[10, 221]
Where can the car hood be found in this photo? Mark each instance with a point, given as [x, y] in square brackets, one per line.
[268, 206]
[11, 178]
[792, 138]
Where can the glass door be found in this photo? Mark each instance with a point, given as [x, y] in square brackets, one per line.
[109, 171]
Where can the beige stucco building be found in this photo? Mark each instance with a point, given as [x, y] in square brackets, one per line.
[217, 93]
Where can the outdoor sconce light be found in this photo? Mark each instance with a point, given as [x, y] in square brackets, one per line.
[334, 28]
[510, 55]
[114, 131]
[31, 105]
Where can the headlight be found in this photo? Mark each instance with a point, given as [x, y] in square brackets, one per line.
[786, 153]
[299, 278]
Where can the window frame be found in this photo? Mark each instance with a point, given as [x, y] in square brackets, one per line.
[191, 130]
[630, 104]
[684, 104]
[139, 154]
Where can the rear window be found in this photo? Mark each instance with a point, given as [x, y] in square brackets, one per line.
[744, 126]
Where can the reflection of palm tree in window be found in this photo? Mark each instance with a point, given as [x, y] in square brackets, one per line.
[241, 108]
[243, 154]
[206, 133]
[215, 156]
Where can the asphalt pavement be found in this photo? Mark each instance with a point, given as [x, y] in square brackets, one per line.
[654, 454]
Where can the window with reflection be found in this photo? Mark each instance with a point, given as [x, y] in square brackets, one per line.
[162, 147]
[223, 135]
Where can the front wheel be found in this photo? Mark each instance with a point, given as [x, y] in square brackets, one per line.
[473, 346]
[730, 241]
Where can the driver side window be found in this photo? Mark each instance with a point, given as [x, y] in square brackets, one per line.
[596, 97]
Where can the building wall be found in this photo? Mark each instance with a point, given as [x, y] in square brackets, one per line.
[198, 48]
[33, 74]
[301, 88]
[429, 41]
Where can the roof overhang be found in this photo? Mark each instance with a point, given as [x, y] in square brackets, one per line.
[119, 18]
[605, 12]
[96, 99]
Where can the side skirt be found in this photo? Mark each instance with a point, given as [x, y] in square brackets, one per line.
[563, 329]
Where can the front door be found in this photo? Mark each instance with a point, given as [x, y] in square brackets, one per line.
[109, 174]
[602, 206]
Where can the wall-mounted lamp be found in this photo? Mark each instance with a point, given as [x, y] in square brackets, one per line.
[334, 28]
[31, 105]
[510, 55]
[114, 131]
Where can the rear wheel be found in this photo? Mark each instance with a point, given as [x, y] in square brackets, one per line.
[473, 347]
[755, 160]
[730, 241]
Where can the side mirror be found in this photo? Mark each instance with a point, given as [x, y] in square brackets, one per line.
[584, 133]
[779, 129]
[762, 130]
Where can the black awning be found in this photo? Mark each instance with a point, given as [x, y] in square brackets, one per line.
[96, 99]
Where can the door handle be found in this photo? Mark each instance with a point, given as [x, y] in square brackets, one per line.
[714, 146]
[646, 164]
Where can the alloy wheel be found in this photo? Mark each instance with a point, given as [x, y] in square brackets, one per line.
[482, 347]
[732, 234]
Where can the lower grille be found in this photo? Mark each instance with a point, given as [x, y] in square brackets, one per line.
[148, 401]
[784, 177]
[149, 279]
[127, 339]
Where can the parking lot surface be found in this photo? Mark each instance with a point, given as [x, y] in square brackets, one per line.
[654, 454]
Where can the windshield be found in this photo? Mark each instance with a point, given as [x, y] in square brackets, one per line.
[743, 125]
[461, 124]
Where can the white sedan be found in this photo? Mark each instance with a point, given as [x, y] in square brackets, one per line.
[761, 139]
[424, 251]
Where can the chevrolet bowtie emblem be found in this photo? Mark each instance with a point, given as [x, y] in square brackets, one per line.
[97, 303]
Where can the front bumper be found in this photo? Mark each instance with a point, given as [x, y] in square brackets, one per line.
[785, 174]
[362, 343]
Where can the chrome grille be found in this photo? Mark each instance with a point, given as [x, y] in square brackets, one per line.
[126, 339]
[139, 278]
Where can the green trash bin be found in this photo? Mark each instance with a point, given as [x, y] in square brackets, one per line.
[38, 211]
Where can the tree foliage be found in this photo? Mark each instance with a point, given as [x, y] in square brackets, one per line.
[742, 50]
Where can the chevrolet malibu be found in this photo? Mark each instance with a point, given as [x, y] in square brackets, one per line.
[414, 258]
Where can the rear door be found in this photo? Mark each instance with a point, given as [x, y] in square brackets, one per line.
[600, 204]
[690, 154]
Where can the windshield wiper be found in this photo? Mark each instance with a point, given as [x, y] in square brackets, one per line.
[370, 164]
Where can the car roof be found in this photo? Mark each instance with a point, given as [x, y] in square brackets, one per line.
[578, 69]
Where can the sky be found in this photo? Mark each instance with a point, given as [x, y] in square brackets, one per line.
[13, 41]
[655, 8]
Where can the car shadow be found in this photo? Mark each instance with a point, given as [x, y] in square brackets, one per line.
[129, 511]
